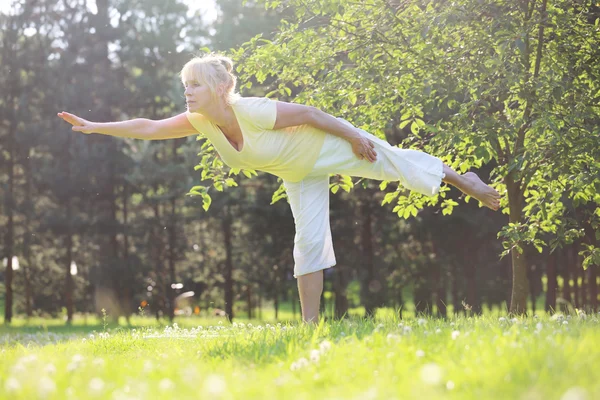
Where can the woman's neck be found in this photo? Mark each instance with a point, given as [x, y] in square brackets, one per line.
[219, 113]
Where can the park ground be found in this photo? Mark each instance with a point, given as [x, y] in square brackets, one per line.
[480, 357]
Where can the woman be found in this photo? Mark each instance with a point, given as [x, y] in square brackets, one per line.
[300, 144]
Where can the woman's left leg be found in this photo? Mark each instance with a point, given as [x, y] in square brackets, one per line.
[415, 170]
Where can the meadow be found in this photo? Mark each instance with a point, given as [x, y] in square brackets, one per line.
[483, 357]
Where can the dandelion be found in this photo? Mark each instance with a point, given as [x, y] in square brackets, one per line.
[502, 319]
[407, 330]
[12, 385]
[98, 362]
[148, 366]
[539, 326]
[46, 386]
[166, 385]
[325, 346]
[514, 320]
[438, 330]
[96, 385]
[455, 334]
[575, 393]
[50, 369]
[431, 374]
[215, 384]
[314, 356]
[392, 338]
[421, 321]
[420, 353]
[565, 322]
[449, 385]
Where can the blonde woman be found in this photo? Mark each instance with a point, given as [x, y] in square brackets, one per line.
[302, 145]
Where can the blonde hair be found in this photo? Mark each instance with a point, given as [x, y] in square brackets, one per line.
[212, 70]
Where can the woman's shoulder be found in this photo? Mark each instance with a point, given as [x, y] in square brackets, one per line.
[253, 101]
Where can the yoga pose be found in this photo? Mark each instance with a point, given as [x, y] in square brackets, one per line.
[300, 144]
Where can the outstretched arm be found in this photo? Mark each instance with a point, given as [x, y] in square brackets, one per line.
[289, 114]
[139, 128]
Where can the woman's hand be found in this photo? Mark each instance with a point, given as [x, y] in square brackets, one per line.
[79, 124]
[363, 148]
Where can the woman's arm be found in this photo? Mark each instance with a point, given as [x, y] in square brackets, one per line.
[139, 128]
[289, 114]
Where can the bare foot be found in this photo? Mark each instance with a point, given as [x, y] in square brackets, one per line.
[476, 188]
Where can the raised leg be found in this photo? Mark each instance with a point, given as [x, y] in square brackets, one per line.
[310, 287]
[472, 185]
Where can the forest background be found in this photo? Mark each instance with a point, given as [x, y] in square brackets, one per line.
[90, 222]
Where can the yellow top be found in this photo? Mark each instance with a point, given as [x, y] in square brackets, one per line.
[289, 153]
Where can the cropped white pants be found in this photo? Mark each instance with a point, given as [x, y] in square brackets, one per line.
[309, 198]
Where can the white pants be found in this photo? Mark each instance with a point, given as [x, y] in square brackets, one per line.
[309, 198]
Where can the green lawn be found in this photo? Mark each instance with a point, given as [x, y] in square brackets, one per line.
[463, 358]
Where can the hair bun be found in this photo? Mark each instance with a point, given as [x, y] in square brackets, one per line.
[226, 62]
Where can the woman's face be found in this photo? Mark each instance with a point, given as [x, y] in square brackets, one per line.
[197, 95]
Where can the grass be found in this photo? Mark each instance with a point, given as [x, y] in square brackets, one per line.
[460, 358]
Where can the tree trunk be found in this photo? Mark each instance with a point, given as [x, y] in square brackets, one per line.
[573, 272]
[276, 301]
[226, 226]
[10, 228]
[370, 285]
[29, 212]
[518, 300]
[552, 285]
[455, 290]
[127, 295]
[470, 268]
[294, 301]
[249, 299]
[567, 299]
[592, 273]
[69, 238]
[340, 285]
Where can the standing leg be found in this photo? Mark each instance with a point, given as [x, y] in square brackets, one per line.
[313, 247]
[310, 287]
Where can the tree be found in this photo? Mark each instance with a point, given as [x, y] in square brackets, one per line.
[476, 82]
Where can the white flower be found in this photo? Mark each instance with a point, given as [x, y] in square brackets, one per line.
[539, 326]
[148, 366]
[514, 320]
[502, 319]
[392, 338]
[575, 393]
[449, 385]
[96, 385]
[407, 330]
[77, 358]
[166, 385]
[314, 356]
[50, 369]
[325, 346]
[422, 321]
[215, 384]
[565, 322]
[12, 385]
[98, 362]
[46, 386]
[431, 374]
[438, 330]
[420, 353]
[455, 334]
